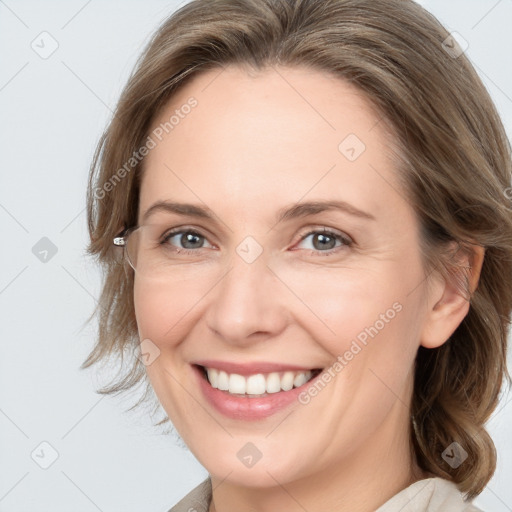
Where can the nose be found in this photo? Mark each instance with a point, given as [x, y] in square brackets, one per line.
[248, 304]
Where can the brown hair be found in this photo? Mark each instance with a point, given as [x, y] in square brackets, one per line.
[453, 157]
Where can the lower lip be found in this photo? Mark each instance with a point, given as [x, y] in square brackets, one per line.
[244, 407]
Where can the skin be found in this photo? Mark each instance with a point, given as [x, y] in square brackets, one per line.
[257, 142]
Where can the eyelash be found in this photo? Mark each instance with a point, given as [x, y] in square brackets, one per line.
[345, 240]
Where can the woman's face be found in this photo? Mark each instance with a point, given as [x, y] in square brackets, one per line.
[306, 257]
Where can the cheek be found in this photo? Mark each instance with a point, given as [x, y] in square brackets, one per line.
[165, 315]
[163, 310]
[373, 345]
[368, 319]
[346, 301]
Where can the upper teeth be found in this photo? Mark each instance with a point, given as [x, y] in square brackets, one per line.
[256, 384]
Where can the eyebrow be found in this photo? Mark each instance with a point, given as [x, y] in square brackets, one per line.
[294, 211]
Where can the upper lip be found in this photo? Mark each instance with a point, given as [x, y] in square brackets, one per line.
[253, 367]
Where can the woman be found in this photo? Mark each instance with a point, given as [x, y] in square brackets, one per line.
[301, 208]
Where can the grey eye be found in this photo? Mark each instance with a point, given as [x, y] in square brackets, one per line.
[322, 241]
[186, 239]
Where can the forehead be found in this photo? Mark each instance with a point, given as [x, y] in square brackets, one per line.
[231, 136]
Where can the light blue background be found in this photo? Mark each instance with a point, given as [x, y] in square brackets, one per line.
[52, 113]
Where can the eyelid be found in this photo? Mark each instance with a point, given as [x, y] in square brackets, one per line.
[171, 233]
[324, 229]
[203, 232]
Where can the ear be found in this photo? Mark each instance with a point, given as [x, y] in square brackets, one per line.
[447, 301]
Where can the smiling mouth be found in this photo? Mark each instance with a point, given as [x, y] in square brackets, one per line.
[258, 384]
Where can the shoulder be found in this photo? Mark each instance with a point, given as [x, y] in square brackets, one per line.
[429, 495]
[197, 500]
